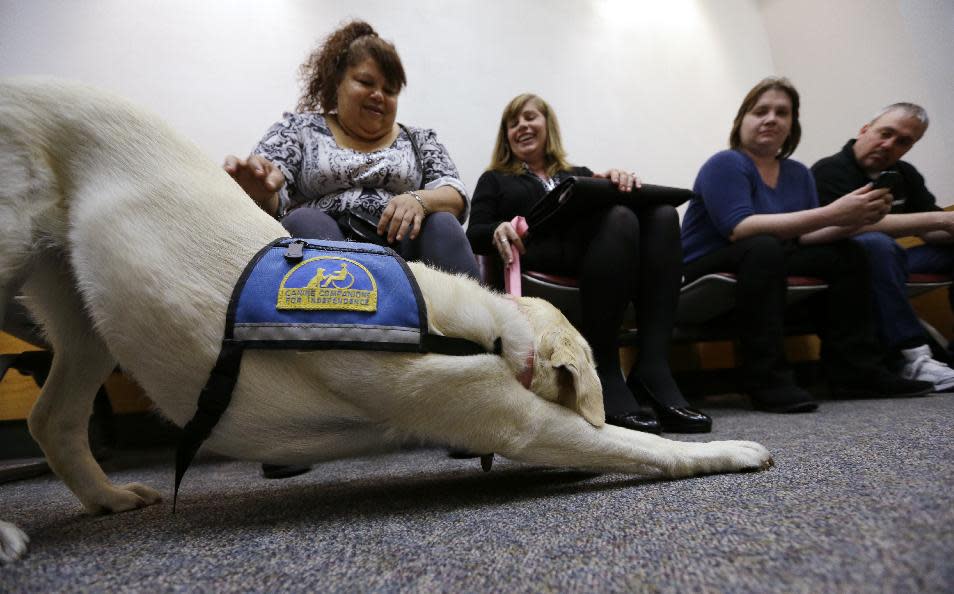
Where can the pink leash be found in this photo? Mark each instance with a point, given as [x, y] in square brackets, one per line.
[513, 288]
[512, 270]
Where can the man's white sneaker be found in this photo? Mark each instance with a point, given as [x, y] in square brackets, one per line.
[919, 365]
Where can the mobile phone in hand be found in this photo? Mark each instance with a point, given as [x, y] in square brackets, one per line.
[891, 180]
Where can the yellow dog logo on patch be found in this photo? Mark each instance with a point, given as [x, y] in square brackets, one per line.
[330, 283]
[342, 279]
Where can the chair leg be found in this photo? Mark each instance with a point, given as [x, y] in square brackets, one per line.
[102, 427]
[6, 362]
[35, 364]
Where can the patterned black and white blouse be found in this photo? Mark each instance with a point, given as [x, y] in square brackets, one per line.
[321, 174]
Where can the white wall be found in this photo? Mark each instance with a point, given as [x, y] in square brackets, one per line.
[849, 58]
[641, 84]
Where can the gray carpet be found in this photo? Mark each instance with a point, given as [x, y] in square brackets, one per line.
[861, 500]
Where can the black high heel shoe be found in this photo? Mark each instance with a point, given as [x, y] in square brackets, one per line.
[642, 419]
[673, 419]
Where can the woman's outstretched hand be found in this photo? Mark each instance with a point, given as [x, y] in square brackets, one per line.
[259, 177]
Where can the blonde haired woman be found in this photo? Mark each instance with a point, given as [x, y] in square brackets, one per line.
[619, 254]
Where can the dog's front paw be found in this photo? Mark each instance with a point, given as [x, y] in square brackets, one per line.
[13, 542]
[721, 456]
[750, 456]
[116, 499]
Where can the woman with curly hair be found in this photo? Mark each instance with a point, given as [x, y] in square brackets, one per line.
[342, 157]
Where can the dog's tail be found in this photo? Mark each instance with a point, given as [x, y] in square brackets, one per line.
[458, 306]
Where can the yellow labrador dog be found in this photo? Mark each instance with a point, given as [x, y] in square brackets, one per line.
[127, 242]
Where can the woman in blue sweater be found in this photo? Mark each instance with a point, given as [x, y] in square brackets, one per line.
[757, 215]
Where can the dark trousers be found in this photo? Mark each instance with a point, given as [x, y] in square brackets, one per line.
[932, 258]
[845, 320]
[897, 323]
[441, 243]
[621, 256]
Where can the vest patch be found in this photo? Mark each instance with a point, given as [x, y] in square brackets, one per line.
[329, 282]
[328, 294]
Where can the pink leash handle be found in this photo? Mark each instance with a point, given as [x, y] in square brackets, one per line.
[512, 270]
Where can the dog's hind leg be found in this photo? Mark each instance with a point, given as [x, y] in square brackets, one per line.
[59, 420]
[16, 239]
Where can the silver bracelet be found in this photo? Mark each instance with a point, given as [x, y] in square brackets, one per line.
[419, 201]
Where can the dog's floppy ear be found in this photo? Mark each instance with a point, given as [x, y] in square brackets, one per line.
[580, 389]
[567, 375]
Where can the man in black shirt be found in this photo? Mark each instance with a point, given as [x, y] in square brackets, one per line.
[879, 147]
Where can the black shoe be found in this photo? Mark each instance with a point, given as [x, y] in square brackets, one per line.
[280, 471]
[672, 419]
[881, 384]
[784, 398]
[642, 419]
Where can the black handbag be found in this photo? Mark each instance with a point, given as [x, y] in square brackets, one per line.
[576, 196]
[360, 225]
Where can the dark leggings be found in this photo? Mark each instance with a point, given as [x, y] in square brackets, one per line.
[441, 243]
[761, 264]
[622, 256]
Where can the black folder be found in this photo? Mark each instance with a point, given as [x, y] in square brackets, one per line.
[577, 196]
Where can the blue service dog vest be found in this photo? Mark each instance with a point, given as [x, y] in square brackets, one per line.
[307, 294]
